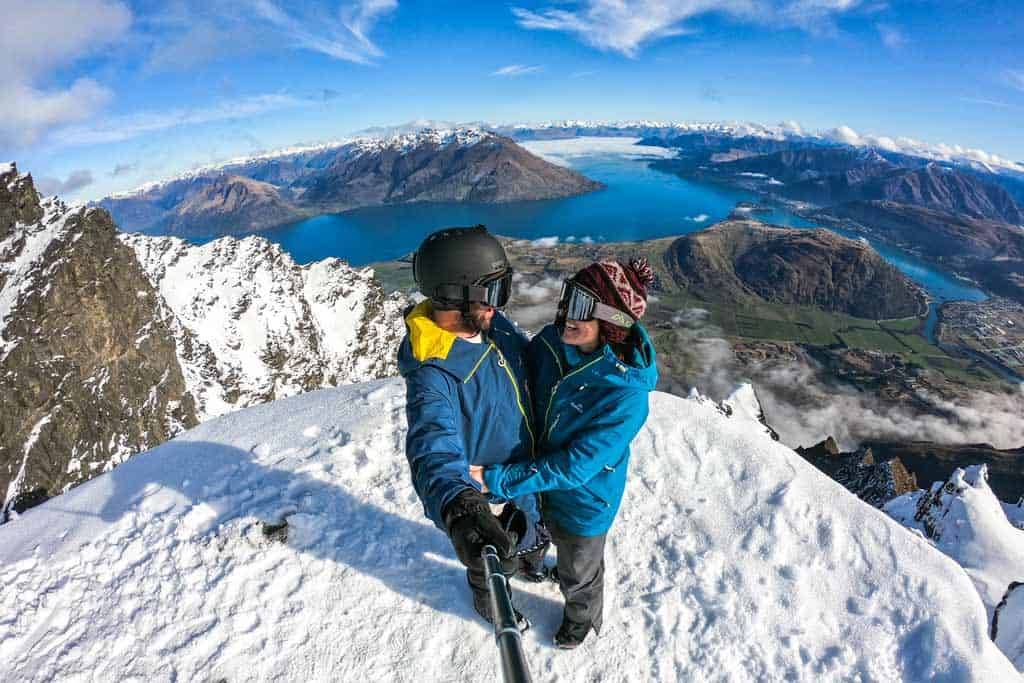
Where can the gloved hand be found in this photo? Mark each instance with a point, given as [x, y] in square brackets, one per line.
[471, 526]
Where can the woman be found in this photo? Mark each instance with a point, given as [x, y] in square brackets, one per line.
[592, 371]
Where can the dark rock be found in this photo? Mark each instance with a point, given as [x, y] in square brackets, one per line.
[873, 482]
[88, 370]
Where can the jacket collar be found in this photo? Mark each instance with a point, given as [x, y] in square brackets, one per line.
[640, 372]
[429, 344]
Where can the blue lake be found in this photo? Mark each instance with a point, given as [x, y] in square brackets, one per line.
[638, 203]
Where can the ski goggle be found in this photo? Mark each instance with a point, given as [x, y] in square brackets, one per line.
[493, 290]
[576, 302]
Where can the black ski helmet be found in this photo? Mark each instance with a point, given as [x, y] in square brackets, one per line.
[455, 266]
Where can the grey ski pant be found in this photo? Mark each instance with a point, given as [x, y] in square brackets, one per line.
[580, 575]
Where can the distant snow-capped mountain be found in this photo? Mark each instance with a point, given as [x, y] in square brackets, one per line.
[461, 164]
[112, 343]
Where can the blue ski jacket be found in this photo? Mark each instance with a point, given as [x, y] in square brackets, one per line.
[588, 408]
[466, 404]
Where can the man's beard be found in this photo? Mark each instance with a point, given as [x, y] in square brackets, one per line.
[476, 321]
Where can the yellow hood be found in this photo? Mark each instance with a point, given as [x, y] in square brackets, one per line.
[425, 337]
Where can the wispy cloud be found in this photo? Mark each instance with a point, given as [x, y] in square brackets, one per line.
[115, 129]
[1014, 78]
[192, 32]
[76, 181]
[991, 103]
[892, 37]
[513, 70]
[38, 38]
[625, 26]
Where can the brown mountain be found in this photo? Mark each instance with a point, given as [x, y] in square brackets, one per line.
[464, 165]
[745, 261]
[493, 169]
[829, 176]
[936, 233]
[230, 204]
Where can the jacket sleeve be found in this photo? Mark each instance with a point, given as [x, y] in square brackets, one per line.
[599, 445]
[433, 445]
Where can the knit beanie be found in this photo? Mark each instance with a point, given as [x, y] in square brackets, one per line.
[620, 286]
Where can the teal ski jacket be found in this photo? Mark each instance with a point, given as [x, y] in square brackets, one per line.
[466, 404]
[588, 409]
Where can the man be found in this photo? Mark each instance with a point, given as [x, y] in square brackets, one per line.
[467, 403]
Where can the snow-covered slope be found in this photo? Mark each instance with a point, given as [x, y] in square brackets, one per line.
[967, 522]
[732, 559]
[251, 325]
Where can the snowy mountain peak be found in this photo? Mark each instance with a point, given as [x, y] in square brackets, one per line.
[285, 542]
[965, 520]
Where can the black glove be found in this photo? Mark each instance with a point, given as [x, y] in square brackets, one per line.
[471, 526]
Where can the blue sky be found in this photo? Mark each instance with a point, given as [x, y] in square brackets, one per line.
[102, 95]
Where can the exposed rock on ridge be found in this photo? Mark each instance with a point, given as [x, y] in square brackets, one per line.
[110, 344]
[88, 374]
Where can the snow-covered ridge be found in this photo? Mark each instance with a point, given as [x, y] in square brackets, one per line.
[732, 559]
[402, 142]
[966, 521]
[251, 325]
[791, 130]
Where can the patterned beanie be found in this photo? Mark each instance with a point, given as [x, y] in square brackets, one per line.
[621, 286]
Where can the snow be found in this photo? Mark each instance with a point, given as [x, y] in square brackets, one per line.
[844, 135]
[22, 269]
[1010, 626]
[251, 325]
[402, 142]
[732, 559]
[561, 151]
[30, 442]
[967, 522]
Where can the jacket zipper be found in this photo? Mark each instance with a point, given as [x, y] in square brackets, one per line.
[515, 386]
[554, 389]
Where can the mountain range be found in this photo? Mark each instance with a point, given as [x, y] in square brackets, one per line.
[461, 165]
[111, 343]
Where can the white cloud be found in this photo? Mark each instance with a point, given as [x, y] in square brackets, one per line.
[892, 37]
[545, 242]
[76, 181]
[699, 218]
[516, 70]
[625, 26]
[191, 32]
[119, 128]
[1014, 78]
[38, 37]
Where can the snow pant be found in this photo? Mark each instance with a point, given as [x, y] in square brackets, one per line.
[580, 576]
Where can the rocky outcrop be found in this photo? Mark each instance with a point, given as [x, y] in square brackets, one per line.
[932, 462]
[461, 165]
[873, 482]
[746, 261]
[88, 373]
[111, 344]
